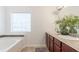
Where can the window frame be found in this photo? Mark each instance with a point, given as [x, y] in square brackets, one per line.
[20, 13]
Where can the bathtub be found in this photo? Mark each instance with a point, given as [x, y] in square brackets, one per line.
[11, 44]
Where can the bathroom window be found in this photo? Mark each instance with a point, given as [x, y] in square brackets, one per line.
[21, 22]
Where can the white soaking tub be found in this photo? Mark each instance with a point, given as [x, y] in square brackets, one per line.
[11, 44]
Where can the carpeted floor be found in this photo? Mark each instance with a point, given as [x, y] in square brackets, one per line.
[41, 50]
[32, 49]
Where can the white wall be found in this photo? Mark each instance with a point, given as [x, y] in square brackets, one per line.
[70, 10]
[49, 19]
[2, 20]
[36, 36]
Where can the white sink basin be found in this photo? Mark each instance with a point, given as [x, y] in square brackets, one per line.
[68, 37]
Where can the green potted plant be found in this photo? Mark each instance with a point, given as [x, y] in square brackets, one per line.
[68, 24]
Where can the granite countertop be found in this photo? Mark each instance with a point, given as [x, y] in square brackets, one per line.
[69, 40]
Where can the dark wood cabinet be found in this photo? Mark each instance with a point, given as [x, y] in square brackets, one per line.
[55, 45]
[57, 42]
[66, 48]
[51, 43]
[56, 48]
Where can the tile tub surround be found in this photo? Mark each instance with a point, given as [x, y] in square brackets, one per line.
[71, 41]
[1, 36]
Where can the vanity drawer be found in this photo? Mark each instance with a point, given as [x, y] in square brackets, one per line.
[57, 42]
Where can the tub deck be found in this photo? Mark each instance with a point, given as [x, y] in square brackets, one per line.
[10, 44]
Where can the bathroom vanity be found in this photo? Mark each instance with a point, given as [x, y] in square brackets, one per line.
[59, 43]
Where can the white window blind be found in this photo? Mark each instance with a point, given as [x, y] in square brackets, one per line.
[21, 22]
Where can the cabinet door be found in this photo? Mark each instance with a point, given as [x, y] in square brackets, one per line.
[57, 42]
[51, 43]
[56, 48]
[66, 48]
[57, 45]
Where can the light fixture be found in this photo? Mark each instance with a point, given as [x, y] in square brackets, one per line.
[58, 9]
